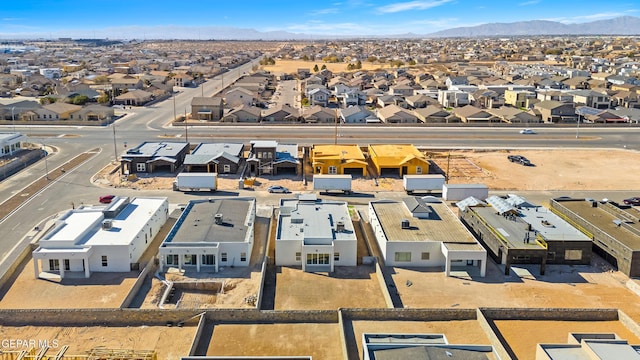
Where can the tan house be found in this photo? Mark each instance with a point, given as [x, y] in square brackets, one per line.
[239, 96]
[59, 111]
[471, 114]
[133, 98]
[398, 159]
[338, 159]
[319, 114]
[206, 108]
[556, 111]
[243, 114]
[394, 114]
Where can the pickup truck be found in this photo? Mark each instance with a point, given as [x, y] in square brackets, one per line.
[519, 159]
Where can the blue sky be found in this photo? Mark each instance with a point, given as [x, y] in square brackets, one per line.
[135, 18]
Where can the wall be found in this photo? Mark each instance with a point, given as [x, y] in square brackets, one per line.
[148, 270]
[436, 258]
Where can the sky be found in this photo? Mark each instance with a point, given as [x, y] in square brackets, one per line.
[136, 19]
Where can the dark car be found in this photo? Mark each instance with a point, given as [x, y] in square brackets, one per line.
[519, 159]
[278, 189]
[635, 201]
[106, 199]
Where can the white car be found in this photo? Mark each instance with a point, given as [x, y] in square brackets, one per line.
[527, 131]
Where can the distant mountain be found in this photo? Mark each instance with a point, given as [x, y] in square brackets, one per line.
[624, 25]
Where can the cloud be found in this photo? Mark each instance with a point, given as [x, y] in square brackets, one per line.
[530, 2]
[411, 5]
[323, 11]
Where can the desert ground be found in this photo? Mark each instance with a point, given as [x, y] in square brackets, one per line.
[292, 66]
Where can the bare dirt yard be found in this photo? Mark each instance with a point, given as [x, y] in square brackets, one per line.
[346, 287]
[168, 342]
[555, 332]
[321, 341]
[572, 169]
[101, 290]
[292, 66]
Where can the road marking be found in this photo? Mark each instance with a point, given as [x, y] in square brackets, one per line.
[61, 135]
[18, 224]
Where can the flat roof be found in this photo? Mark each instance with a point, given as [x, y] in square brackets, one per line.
[442, 226]
[604, 221]
[217, 148]
[156, 149]
[513, 229]
[197, 224]
[314, 221]
[125, 225]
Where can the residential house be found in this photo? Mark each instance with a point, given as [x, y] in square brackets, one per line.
[518, 98]
[338, 160]
[268, 157]
[224, 158]
[319, 114]
[59, 111]
[588, 345]
[209, 234]
[355, 115]
[591, 98]
[150, 157]
[453, 98]
[386, 100]
[133, 98]
[401, 90]
[317, 235]
[94, 239]
[577, 83]
[632, 115]
[424, 232]
[207, 108]
[554, 95]
[126, 83]
[183, 80]
[420, 101]
[243, 114]
[393, 114]
[281, 113]
[381, 346]
[303, 73]
[313, 80]
[98, 113]
[515, 231]
[24, 110]
[614, 229]
[10, 143]
[596, 116]
[486, 99]
[319, 96]
[435, 114]
[513, 115]
[452, 81]
[353, 98]
[239, 96]
[556, 111]
[398, 159]
[471, 114]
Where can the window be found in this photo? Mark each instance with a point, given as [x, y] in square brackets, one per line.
[208, 260]
[54, 264]
[298, 256]
[551, 255]
[403, 256]
[105, 262]
[223, 257]
[336, 256]
[333, 170]
[67, 265]
[424, 256]
[226, 168]
[141, 167]
[317, 259]
[243, 256]
[190, 259]
[418, 169]
[172, 259]
[573, 254]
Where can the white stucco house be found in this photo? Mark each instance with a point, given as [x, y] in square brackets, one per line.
[10, 143]
[101, 238]
[209, 234]
[424, 232]
[315, 234]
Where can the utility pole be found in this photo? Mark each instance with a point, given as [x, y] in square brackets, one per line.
[174, 105]
[13, 118]
[578, 128]
[115, 148]
[186, 126]
[335, 133]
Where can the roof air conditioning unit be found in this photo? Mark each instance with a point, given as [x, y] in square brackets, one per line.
[405, 224]
[218, 218]
[107, 224]
[340, 226]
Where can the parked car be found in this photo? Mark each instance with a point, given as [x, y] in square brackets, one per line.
[635, 201]
[106, 199]
[527, 131]
[519, 159]
[278, 189]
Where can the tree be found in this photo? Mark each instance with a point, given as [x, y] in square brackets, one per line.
[100, 80]
[80, 100]
[305, 58]
[412, 62]
[324, 66]
[358, 64]
[305, 102]
[315, 68]
[372, 59]
[103, 98]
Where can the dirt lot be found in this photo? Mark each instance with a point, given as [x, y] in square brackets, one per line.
[101, 290]
[292, 66]
[239, 284]
[168, 342]
[321, 341]
[457, 332]
[554, 170]
[347, 287]
[562, 286]
[555, 332]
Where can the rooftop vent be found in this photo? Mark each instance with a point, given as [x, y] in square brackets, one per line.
[107, 224]
[405, 224]
[218, 218]
[340, 226]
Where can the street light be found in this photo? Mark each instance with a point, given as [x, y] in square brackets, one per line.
[46, 164]
[578, 127]
[13, 118]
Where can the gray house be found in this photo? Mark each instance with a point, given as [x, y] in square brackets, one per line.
[150, 157]
[223, 158]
